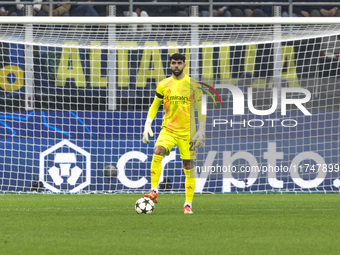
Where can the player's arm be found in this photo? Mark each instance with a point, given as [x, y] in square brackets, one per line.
[151, 115]
[199, 137]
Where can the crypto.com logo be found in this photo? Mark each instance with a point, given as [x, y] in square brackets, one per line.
[65, 168]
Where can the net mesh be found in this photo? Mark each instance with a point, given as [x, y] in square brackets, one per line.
[84, 34]
[74, 99]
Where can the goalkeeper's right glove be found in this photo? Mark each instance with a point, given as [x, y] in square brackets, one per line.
[147, 131]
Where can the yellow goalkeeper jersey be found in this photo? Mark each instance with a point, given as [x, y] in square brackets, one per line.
[179, 100]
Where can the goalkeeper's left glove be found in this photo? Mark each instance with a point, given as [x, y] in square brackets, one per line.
[199, 137]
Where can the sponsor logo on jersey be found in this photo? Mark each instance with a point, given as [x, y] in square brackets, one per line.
[175, 99]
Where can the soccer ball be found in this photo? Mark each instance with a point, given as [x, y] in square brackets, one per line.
[144, 205]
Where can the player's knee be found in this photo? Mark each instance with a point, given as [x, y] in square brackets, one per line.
[160, 150]
[188, 164]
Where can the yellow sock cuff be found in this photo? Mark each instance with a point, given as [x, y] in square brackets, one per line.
[190, 173]
[157, 157]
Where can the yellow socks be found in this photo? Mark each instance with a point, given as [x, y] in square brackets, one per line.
[189, 185]
[156, 170]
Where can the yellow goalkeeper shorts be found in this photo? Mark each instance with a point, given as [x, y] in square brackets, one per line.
[186, 148]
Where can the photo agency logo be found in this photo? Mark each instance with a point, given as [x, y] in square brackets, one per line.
[281, 100]
[242, 161]
[209, 93]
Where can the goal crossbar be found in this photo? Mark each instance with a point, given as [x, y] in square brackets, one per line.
[173, 20]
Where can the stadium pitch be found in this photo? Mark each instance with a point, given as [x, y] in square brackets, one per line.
[221, 224]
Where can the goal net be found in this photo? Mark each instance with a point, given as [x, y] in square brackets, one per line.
[75, 95]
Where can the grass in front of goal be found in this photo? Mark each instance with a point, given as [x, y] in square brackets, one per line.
[221, 224]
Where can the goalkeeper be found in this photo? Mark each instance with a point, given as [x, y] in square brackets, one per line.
[179, 95]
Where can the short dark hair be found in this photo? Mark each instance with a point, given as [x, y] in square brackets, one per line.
[178, 56]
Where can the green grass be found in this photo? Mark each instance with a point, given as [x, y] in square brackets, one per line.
[221, 224]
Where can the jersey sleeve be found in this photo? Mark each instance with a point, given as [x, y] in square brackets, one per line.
[156, 102]
[160, 91]
[154, 108]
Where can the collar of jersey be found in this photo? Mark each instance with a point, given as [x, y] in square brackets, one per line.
[178, 80]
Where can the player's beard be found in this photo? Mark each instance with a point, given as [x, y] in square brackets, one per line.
[177, 72]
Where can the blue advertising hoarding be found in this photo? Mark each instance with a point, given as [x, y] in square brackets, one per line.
[68, 151]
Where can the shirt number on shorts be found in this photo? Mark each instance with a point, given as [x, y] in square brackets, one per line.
[192, 146]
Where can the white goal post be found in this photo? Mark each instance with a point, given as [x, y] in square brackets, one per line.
[75, 91]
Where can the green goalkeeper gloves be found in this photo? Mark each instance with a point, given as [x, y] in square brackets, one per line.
[199, 137]
[147, 131]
